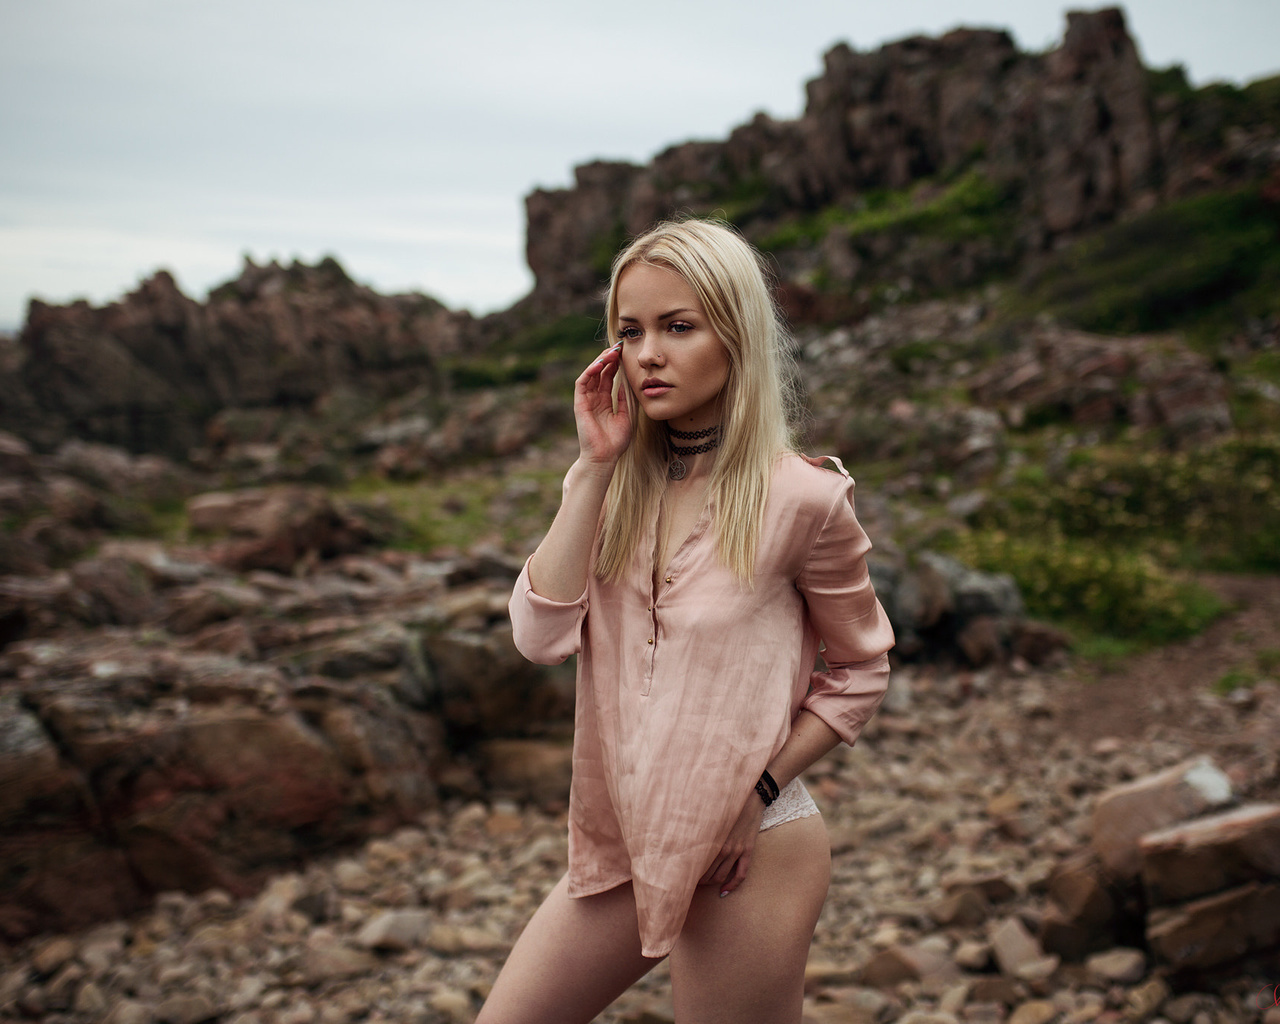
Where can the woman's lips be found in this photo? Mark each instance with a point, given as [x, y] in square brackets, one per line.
[653, 387]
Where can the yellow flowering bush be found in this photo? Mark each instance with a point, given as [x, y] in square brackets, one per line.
[1216, 507]
[1104, 590]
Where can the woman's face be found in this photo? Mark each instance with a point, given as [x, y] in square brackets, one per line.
[675, 364]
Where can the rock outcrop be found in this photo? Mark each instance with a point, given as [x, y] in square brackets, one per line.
[146, 373]
[1067, 139]
[1202, 889]
[216, 725]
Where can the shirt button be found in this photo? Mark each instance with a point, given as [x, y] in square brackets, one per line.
[668, 579]
[649, 609]
[650, 639]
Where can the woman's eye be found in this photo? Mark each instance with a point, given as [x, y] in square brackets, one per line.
[679, 327]
[628, 333]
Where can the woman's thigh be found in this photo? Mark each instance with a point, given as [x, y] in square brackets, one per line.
[741, 958]
[573, 959]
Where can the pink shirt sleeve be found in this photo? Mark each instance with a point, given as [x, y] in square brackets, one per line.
[546, 632]
[847, 616]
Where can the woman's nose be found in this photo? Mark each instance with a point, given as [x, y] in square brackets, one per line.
[650, 353]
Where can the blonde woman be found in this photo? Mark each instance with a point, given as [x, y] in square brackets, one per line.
[696, 566]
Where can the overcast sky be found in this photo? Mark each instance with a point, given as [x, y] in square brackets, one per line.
[401, 136]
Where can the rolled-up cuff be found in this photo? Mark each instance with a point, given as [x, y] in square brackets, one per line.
[846, 697]
[546, 632]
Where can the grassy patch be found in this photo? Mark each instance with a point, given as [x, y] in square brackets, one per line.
[1265, 664]
[1234, 679]
[458, 512]
[1107, 652]
[746, 197]
[605, 247]
[1197, 264]
[968, 207]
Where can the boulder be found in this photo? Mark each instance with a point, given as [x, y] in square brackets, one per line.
[487, 688]
[1216, 929]
[275, 528]
[1082, 909]
[1125, 813]
[1222, 851]
[528, 770]
[205, 772]
[901, 963]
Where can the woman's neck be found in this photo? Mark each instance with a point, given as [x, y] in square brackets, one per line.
[691, 453]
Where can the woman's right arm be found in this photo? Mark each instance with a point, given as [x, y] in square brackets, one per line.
[558, 569]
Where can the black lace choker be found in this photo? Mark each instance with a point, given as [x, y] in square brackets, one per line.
[676, 468]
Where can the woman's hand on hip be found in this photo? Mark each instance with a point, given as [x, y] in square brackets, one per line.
[603, 433]
[729, 869]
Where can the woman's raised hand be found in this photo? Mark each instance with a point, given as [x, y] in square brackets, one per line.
[603, 433]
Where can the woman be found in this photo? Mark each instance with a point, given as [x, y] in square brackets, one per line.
[694, 567]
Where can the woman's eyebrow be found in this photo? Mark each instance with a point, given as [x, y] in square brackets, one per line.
[661, 316]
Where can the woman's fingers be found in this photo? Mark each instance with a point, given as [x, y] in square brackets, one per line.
[604, 431]
[609, 357]
[739, 875]
[716, 873]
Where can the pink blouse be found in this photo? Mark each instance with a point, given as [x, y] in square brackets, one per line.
[687, 685]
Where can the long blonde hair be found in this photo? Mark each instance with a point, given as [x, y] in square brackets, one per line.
[760, 396]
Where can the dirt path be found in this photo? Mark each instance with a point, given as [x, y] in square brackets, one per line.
[1169, 692]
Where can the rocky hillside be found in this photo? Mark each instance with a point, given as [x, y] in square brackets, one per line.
[255, 552]
[922, 168]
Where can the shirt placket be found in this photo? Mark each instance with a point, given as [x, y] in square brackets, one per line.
[657, 592]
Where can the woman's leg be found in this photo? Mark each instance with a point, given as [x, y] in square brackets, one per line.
[741, 959]
[573, 959]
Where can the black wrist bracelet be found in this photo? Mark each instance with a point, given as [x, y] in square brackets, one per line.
[767, 788]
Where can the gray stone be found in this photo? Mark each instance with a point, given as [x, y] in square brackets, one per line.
[1013, 946]
[1117, 966]
[395, 930]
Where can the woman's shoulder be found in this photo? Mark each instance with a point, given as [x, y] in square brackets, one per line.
[798, 479]
[801, 491]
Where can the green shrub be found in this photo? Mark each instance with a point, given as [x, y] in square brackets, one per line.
[1109, 591]
[1234, 679]
[574, 336]
[1215, 508]
[470, 374]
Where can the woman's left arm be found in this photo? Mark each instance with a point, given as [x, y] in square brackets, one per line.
[842, 607]
[811, 739]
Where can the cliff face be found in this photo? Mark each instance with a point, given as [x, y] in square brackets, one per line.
[147, 372]
[1070, 138]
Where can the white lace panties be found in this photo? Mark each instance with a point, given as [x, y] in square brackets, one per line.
[793, 802]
